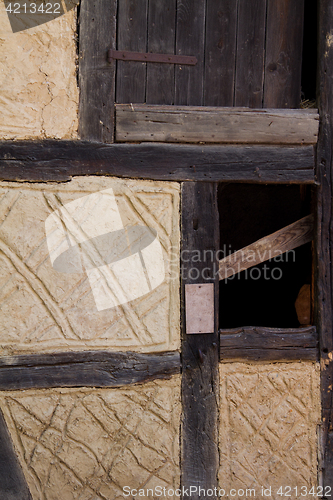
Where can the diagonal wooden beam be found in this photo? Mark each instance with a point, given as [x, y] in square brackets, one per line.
[267, 248]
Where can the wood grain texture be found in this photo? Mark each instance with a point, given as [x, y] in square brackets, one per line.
[288, 238]
[161, 40]
[146, 123]
[220, 52]
[132, 35]
[250, 56]
[97, 35]
[190, 41]
[284, 43]
[13, 485]
[324, 236]
[85, 369]
[200, 378]
[268, 344]
[61, 160]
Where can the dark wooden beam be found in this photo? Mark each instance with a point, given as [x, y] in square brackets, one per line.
[268, 344]
[13, 485]
[85, 369]
[200, 378]
[60, 160]
[97, 34]
[324, 235]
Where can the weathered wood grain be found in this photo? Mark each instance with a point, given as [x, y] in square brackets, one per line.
[288, 238]
[220, 52]
[61, 160]
[284, 42]
[13, 485]
[200, 382]
[146, 123]
[190, 41]
[85, 369]
[161, 40]
[131, 35]
[268, 344]
[250, 56]
[97, 35]
[324, 236]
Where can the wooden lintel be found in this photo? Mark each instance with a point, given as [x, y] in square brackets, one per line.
[142, 122]
[58, 161]
[288, 238]
[85, 369]
[268, 344]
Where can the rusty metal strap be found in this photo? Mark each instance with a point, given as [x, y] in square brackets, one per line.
[125, 55]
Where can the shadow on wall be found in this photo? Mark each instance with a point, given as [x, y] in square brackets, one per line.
[24, 14]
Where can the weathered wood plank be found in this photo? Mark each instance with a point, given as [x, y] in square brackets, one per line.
[250, 56]
[324, 235]
[290, 354]
[85, 369]
[190, 41]
[284, 42]
[161, 40]
[220, 52]
[200, 378]
[145, 123]
[96, 74]
[254, 337]
[61, 160]
[268, 344]
[132, 35]
[288, 238]
[13, 485]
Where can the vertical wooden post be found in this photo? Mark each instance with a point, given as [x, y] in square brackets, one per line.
[97, 76]
[12, 481]
[324, 236]
[200, 377]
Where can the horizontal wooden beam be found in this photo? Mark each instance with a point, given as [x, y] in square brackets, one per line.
[142, 122]
[268, 344]
[61, 160]
[85, 369]
[288, 238]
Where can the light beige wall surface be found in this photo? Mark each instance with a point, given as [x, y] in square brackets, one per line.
[269, 415]
[88, 444]
[44, 310]
[38, 89]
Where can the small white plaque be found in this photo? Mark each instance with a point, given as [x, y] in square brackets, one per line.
[199, 306]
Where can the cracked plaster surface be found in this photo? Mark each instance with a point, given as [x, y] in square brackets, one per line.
[43, 310]
[268, 426]
[38, 88]
[88, 444]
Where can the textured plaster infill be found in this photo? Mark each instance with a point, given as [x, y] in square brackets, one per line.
[89, 444]
[38, 88]
[44, 310]
[269, 415]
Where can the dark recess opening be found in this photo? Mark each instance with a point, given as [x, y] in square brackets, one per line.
[309, 60]
[249, 212]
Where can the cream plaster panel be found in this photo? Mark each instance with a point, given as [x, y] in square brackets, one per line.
[268, 426]
[38, 89]
[88, 444]
[44, 310]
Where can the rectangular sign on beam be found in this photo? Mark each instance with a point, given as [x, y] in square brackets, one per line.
[199, 304]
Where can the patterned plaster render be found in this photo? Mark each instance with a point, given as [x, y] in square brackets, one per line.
[44, 310]
[90, 444]
[268, 427]
[38, 88]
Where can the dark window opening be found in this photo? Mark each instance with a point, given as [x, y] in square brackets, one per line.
[265, 294]
[309, 60]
